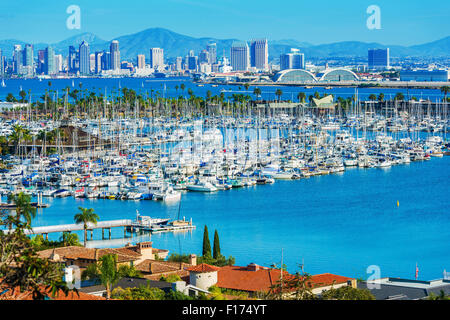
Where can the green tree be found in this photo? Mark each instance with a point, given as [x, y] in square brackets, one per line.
[109, 275]
[373, 97]
[440, 296]
[216, 248]
[347, 293]
[206, 244]
[257, 93]
[301, 96]
[24, 209]
[445, 90]
[20, 265]
[86, 216]
[126, 271]
[381, 97]
[399, 96]
[278, 93]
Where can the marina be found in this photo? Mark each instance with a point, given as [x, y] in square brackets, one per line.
[265, 172]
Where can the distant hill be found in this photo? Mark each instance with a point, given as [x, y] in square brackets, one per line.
[175, 44]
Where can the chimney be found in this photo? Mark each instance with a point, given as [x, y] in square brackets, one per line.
[96, 255]
[352, 283]
[193, 260]
[253, 267]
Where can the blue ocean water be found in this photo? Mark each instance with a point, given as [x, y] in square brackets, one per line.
[340, 223]
[166, 88]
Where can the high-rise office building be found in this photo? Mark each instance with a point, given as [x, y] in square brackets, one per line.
[259, 54]
[141, 61]
[292, 60]
[115, 55]
[378, 58]
[41, 61]
[240, 56]
[92, 63]
[192, 62]
[17, 58]
[49, 61]
[106, 60]
[179, 64]
[212, 50]
[85, 59]
[156, 58]
[28, 56]
[58, 63]
[72, 60]
[204, 57]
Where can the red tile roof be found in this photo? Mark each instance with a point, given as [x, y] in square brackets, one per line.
[16, 294]
[241, 278]
[203, 268]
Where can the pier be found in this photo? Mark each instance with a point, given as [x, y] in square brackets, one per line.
[128, 225]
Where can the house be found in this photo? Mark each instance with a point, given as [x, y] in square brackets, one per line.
[99, 290]
[405, 289]
[82, 257]
[8, 293]
[256, 279]
[155, 269]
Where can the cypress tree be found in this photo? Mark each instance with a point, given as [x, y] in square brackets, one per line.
[206, 244]
[216, 248]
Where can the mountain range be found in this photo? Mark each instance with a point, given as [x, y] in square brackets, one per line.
[175, 44]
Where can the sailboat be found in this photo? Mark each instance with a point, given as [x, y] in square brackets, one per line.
[178, 222]
[3, 83]
[73, 84]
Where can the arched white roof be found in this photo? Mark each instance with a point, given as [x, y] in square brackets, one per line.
[339, 72]
[295, 75]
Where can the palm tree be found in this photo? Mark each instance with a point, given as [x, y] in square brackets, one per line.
[445, 90]
[86, 216]
[372, 97]
[24, 209]
[301, 96]
[279, 93]
[109, 275]
[257, 92]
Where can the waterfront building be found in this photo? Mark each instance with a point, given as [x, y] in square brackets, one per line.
[240, 56]
[259, 54]
[292, 60]
[141, 61]
[49, 58]
[85, 59]
[115, 55]
[156, 58]
[378, 59]
[424, 75]
[212, 50]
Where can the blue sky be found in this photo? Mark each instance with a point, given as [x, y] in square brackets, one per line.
[404, 22]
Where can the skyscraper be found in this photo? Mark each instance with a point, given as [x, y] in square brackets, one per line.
[49, 59]
[212, 50]
[292, 60]
[204, 57]
[98, 62]
[156, 58]
[28, 56]
[58, 63]
[41, 61]
[72, 60]
[17, 59]
[259, 54]
[85, 61]
[115, 55]
[378, 58]
[240, 58]
[141, 61]
[179, 64]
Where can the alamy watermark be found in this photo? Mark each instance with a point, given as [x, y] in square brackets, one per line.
[373, 281]
[74, 20]
[374, 20]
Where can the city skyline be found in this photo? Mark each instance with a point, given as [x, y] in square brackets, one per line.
[418, 23]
